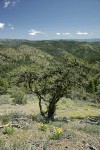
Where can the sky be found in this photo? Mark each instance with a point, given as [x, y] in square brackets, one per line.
[49, 19]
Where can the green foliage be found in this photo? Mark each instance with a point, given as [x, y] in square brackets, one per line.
[56, 133]
[17, 56]
[1, 143]
[19, 98]
[16, 114]
[3, 85]
[5, 118]
[43, 127]
[91, 87]
[53, 84]
[8, 129]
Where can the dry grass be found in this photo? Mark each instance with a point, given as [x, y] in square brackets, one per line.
[74, 132]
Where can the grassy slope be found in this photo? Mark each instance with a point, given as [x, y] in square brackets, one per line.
[75, 132]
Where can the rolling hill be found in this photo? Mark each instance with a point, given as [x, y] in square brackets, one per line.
[17, 56]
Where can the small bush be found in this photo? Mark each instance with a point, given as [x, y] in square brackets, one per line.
[17, 114]
[19, 98]
[3, 86]
[56, 133]
[5, 118]
[64, 101]
[8, 129]
[43, 127]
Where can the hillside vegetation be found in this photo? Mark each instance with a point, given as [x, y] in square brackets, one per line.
[62, 78]
[18, 56]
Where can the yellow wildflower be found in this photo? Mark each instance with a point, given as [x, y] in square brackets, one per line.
[59, 130]
[7, 125]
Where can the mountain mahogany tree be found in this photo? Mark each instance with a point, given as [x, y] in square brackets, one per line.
[52, 85]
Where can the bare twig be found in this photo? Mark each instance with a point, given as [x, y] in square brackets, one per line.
[13, 125]
[89, 146]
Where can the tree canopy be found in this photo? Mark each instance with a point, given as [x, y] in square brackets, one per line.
[53, 84]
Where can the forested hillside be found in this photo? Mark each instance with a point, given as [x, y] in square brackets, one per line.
[17, 57]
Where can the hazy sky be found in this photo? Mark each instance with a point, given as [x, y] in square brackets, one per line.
[49, 19]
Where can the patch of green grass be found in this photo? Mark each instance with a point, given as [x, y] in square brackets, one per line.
[2, 143]
[76, 109]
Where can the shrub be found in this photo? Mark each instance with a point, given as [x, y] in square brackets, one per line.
[19, 98]
[17, 114]
[43, 127]
[8, 129]
[56, 134]
[3, 86]
[5, 119]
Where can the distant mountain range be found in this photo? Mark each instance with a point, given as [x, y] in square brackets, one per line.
[11, 41]
[19, 41]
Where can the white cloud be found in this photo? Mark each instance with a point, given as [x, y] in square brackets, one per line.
[2, 25]
[13, 3]
[43, 33]
[11, 26]
[82, 33]
[58, 33]
[6, 4]
[10, 3]
[66, 33]
[8, 26]
[35, 32]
